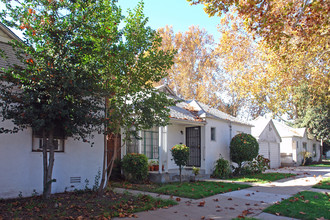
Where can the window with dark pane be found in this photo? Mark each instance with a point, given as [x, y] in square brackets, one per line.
[150, 143]
[212, 134]
[58, 140]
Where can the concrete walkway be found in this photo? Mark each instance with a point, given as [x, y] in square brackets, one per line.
[249, 201]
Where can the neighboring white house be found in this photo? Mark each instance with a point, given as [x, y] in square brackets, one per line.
[295, 141]
[206, 131]
[21, 163]
[269, 140]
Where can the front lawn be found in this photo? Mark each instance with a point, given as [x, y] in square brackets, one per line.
[262, 177]
[323, 184]
[193, 190]
[319, 165]
[304, 205]
[82, 205]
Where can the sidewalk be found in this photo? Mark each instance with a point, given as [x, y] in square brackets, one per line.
[232, 204]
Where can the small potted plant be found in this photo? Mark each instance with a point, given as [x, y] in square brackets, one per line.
[151, 165]
[156, 165]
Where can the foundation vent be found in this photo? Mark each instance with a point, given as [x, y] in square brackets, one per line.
[75, 179]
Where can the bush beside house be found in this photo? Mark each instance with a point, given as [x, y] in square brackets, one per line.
[135, 167]
[243, 147]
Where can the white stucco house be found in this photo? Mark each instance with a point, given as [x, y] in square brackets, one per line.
[269, 140]
[21, 163]
[205, 130]
[295, 141]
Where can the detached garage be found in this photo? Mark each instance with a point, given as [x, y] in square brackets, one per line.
[269, 140]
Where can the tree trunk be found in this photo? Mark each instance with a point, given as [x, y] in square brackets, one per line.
[104, 170]
[105, 150]
[44, 157]
[180, 168]
[48, 167]
[113, 156]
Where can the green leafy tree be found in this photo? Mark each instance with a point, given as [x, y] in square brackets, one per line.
[56, 87]
[132, 65]
[80, 73]
[243, 147]
[180, 154]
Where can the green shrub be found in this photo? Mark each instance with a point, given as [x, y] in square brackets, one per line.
[221, 169]
[260, 164]
[180, 154]
[135, 167]
[243, 147]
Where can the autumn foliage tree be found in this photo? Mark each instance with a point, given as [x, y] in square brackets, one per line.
[294, 39]
[194, 74]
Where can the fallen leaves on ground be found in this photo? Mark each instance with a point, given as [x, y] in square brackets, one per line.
[201, 204]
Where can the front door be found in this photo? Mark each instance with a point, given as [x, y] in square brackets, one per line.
[193, 141]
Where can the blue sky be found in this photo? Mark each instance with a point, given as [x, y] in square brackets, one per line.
[178, 13]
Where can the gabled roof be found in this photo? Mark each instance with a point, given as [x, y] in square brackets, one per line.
[7, 49]
[287, 131]
[10, 34]
[196, 111]
[206, 111]
[260, 124]
[167, 90]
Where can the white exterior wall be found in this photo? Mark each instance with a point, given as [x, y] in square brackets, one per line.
[269, 145]
[21, 170]
[174, 137]
[213, 149]
[286, 147]
[318, 148]
[220, 147]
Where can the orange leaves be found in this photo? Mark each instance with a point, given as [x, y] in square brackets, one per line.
[201, 204]
[29, 61]
[31, 11]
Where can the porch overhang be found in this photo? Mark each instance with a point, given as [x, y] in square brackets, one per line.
[186, 122]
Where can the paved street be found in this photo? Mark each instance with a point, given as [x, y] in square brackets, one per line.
[252, 200]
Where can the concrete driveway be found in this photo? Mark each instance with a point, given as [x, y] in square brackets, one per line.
[249, 201]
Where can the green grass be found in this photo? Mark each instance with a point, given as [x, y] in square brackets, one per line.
[304, 205]
[319, 165]
[193, 190]
[323, 184]
[262, 177]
